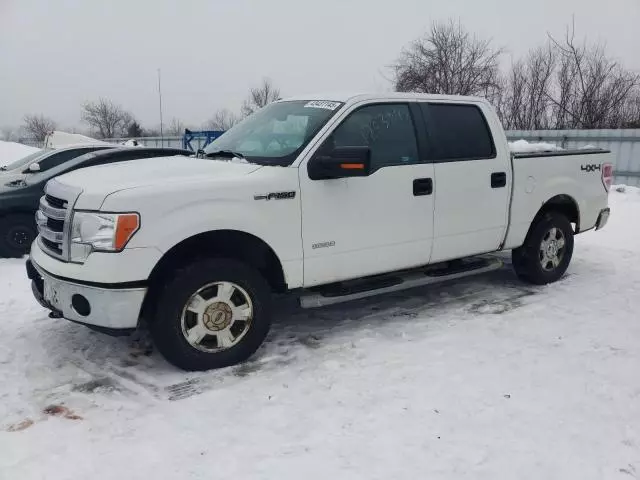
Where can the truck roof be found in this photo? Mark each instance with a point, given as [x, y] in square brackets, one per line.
[351, 97]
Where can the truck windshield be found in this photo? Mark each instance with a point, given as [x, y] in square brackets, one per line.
[275, 134]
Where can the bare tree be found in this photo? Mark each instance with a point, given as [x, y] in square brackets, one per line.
[592, 89]
[525, 100]
[260, 97]
[134, 130]
[176, 127]
[38, 127]
[569, 85]
[130, 126]
[630, 113]
[8, 133]
[222, 120]
[448, 60]
[152, 132]
[108, 119]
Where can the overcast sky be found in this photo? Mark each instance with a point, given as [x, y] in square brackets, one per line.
[56, 54]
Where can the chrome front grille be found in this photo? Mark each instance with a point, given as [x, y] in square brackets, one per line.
[56, 202]
[53, 220]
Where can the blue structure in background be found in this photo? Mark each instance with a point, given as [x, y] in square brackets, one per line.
[207, 135]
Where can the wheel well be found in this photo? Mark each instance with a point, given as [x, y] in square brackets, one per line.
[20, 212]
[241, 246]
[565, 205]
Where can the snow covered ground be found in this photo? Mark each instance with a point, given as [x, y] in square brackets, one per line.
[485, 379]
[12, 151]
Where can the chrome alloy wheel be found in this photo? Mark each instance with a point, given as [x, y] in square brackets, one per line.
[552, 249]
[217, 317]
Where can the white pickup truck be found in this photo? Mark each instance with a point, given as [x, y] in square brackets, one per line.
[330, 198]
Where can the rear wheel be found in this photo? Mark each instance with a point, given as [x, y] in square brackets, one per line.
[17, 233]
[211, 314]
[547, 251]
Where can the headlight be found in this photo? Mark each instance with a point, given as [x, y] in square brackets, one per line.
[106, 232]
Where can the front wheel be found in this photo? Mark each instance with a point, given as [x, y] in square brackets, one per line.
[547, 251]
[212, 313]
[17, 233]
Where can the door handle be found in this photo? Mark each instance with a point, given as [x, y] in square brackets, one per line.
[422, 186]
[498, 180]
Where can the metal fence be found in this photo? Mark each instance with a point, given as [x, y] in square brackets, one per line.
[624, 146]
[172, 142]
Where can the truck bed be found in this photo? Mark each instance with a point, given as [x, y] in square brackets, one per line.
[540, 176]
[560, 153]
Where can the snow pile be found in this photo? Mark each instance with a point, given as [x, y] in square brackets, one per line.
[626, 189]
[133, 143]
[11, 151]
[57, 139]
[522, 146]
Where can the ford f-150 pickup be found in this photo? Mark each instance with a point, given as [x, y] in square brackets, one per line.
[328, 197]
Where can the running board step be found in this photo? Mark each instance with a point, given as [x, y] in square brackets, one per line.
[369, 287]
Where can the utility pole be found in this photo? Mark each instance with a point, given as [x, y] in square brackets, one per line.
[160, 101]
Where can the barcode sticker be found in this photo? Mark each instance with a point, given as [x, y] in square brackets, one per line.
[322, 104]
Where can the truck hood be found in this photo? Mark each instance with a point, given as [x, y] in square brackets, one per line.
[103, 180]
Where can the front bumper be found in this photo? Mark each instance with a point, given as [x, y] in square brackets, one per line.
[603, 218]
[106, 308]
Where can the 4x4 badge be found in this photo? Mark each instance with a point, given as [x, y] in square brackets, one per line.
[590, 168]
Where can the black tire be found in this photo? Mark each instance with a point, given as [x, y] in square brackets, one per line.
[166, 327]
[17, 233]
[528, 260]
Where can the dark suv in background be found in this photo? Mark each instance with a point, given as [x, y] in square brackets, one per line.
[20, 199]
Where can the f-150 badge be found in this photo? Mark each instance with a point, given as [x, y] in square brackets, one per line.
[276, 196]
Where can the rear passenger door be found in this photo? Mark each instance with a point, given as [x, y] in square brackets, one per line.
[472, 181]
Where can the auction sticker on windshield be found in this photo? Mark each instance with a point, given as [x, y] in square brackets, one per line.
[322, 104]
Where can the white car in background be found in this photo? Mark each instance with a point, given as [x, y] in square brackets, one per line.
[58, 148]
[17, 171]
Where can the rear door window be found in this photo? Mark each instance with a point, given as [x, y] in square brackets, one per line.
[457, 132]
[59, 158]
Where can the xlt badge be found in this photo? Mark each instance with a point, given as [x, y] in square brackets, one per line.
[323, 244]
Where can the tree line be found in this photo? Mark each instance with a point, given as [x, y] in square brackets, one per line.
[560, 84]
[107, 119]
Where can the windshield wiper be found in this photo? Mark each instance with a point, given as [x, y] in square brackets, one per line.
[224, 153]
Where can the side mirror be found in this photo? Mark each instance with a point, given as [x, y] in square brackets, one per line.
[34, 167]
[341, 162]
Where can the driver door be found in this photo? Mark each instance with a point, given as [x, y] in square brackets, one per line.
[359, 226]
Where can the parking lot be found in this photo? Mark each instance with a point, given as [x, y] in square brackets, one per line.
[485, 378]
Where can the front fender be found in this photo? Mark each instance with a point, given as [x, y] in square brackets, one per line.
[178, 211]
